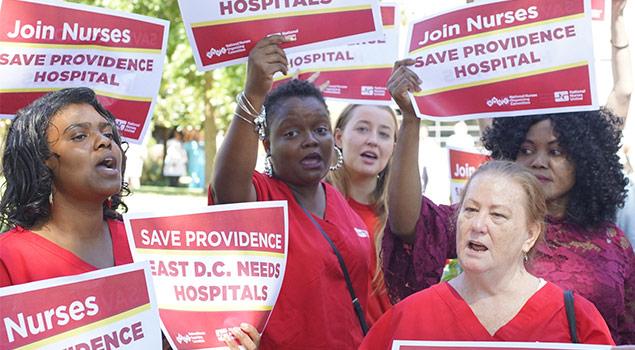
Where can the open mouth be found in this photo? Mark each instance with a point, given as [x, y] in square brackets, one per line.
[369, 155]
[312, 160]
[477, 246]
[108, 163]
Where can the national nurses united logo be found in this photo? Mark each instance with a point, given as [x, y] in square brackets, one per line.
[561, 96]
[213, 52]
[497, 101]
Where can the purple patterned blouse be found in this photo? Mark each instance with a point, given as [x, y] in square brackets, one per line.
[599, 265]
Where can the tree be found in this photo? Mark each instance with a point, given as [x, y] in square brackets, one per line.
[187, 97]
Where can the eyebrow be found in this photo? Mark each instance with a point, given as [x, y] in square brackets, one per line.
[549, 143]
[85, 125]
[493, 206]
[385, 126]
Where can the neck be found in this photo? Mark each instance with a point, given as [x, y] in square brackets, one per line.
[361, 188]
[87, 219]
[557, 207]
[506, 295]
[473, 286]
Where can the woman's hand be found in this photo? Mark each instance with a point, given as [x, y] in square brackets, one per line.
[265, 59]
[246, 334]
[401, 81]
[619, 5]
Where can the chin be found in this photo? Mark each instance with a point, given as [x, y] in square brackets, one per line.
[471, 265]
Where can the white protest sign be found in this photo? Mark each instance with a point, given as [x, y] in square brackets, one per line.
[504, 58]
[222, 32]
[464, 345]
[213, 268]
[49, 45]
[357, 73]
[107, 308]
[463, 163]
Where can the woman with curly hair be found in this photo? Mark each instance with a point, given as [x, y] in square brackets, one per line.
[63, 166]
[574, 157]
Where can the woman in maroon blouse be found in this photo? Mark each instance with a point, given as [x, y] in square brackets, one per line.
[574, 157]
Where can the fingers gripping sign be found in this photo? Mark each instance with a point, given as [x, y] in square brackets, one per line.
[265, 59]
[403, 81]
[247, 335]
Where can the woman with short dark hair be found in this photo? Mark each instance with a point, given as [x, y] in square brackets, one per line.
[315, 308]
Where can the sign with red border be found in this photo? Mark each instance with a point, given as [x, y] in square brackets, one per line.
[108, 308]
[357, 73]
[463, 163]
[213, 268]
[463, 345]
[504, 58]
[48, 45]
[222, 32]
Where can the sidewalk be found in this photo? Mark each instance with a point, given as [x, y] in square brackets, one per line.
[153, 198]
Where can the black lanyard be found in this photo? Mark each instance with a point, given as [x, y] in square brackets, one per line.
[356, 305]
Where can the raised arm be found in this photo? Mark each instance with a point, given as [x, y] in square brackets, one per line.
[621, 64]
[236, 159]
[404, 188]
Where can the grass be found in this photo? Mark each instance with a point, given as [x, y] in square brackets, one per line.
[171, 191]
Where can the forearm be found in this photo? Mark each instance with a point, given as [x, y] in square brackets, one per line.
[404, 189]
[621, 63]
[237, 157]
[236, 160]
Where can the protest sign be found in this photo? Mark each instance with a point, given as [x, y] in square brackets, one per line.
[462, 345]
[49, 45]
[357, 73]
[504, 58]
[214, 268]
[463, 163]
[222, 32]
[103, 309]
[597, 10]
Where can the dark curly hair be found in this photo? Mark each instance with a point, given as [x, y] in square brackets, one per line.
[591, 139]
[28, 181]
[291, 88]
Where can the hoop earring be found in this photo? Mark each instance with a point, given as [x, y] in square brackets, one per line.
[268, 167]
[340, 159]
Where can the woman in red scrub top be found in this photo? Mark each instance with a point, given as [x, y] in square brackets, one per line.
[314, 309]
[500, 217]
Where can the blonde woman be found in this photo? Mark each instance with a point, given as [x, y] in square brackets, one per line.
[366, 135]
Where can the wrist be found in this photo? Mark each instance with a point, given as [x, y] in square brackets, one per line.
[258, 121]
[619, 47]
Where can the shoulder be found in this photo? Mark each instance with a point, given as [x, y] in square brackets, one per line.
[117, 228]
[337, 207]
[333, 196]
[440, 292]
[14, 239]
[268, 188]
[19, 245]
[592, 326]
